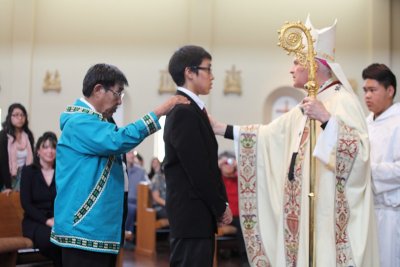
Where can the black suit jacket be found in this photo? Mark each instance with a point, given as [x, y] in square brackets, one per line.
[196, 195]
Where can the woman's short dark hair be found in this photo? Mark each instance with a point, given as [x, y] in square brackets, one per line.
[104, 74]
[184, 57]
[47, 136]
[382, 74]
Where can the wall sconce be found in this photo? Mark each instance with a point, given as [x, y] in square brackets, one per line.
[233, 83]
[52, 81]
[167, 85]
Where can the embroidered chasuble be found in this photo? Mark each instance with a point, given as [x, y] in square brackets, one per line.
[274, 208]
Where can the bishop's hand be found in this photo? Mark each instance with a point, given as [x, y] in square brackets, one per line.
[219, 128]
[315, 110]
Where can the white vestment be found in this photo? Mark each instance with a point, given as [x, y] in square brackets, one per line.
[274, 210]
[384, 135]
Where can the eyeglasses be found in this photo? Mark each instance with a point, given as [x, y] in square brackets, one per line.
[207, 69]
[22, 115]
[117, 94]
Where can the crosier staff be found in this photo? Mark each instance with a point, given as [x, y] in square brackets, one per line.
[290, 39]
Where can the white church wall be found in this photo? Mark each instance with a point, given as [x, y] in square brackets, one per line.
[140, 36]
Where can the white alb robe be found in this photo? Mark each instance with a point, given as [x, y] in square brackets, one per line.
[384, 135]
[274, 210]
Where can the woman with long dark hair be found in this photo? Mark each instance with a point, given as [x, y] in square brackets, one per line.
[38, 191]
[155, 167]
[16, 146]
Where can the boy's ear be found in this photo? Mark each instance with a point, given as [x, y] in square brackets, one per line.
[189, 73]
[390, 89]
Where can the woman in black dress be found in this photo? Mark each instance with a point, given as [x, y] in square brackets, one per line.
[38, 191]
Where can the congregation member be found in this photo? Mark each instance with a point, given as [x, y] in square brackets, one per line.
[38, 191]
[228, 166]
[155, 167]
[159, 193]
[136, 175]
[16, 147]
[384, 135]
[274, 173]
[89, 174]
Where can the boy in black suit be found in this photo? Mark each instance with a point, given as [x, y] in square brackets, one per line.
[196, 198]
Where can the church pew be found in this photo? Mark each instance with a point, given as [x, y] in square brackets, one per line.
[146, 222]
[225, 233]
[15, 248]
[11, 239]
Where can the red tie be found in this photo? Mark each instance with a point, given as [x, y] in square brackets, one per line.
[205, 111]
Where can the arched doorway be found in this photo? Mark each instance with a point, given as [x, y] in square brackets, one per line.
[280, 101]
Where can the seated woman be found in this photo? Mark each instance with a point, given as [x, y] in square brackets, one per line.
[38, 191]
[155, 167]
[136, 174]
[228, 166]
[159, 193]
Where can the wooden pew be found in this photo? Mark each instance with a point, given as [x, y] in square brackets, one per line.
[225, 232]
[11, 239]
[146, 222]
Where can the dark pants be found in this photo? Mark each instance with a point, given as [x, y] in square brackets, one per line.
[239, 236]
[41, 240]
[131, 215]
[124, 214]
[193, 252]
[72, 257]
[161, 213]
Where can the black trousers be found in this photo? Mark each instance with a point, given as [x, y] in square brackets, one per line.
[72, 257]
[41, 240]
[192, 252]
[124, 214]
[239, 235]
